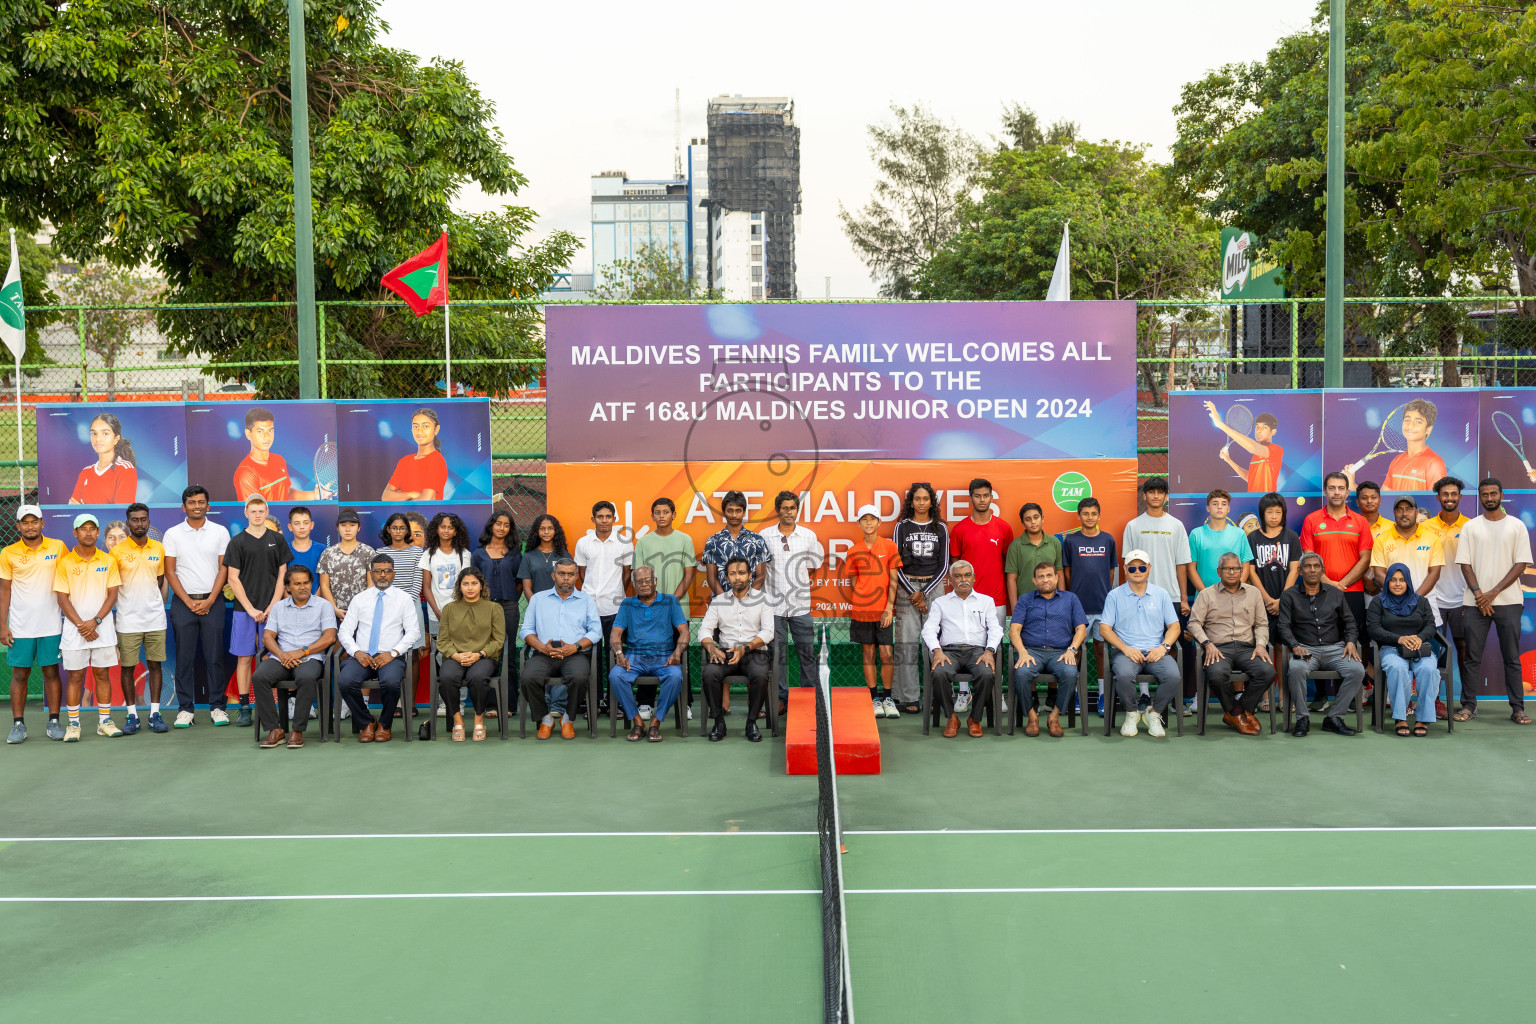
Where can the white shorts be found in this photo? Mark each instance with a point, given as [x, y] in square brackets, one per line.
[93, 657]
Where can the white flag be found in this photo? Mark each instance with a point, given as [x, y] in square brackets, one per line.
[1061, 278]
[13, 316]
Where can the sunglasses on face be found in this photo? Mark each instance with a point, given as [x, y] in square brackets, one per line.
[1138, 569]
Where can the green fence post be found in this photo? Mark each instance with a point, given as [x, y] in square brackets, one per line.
[1295, 344]
[85, 386]
[324, 384]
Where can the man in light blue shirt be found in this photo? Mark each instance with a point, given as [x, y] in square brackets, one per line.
[1141, 625]
[296, 635]
[561, 626]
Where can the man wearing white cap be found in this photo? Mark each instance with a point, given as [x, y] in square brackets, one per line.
[29, 618]
[86, 582]
[870, 567]
[1141, 625]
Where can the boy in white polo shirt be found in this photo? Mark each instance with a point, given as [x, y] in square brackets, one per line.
[86, 582]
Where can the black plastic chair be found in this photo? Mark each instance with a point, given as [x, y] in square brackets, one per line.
[1320, 676]
[1112, 703]
[522, 705]
[1046, 679]
[432, 696]
[1379, 700]
[770, 692]
[280, 695]
[679, 709]
[407, 695]
[930, 710]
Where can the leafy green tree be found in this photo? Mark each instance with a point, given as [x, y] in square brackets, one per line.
[159, 133]
[1022, 130]
[924, 168]
[653, 275]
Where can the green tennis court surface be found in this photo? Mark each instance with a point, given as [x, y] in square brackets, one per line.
[1214, 879]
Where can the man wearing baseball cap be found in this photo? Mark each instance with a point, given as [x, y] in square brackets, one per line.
[86, 582]
[29, 618]
[1141, 625]
[870, 566]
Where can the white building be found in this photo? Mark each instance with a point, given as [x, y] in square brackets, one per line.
[739, 268]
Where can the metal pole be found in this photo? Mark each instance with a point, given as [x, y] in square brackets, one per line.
[447, 352]
[1333, 306]
[303, 213]
[21, 474]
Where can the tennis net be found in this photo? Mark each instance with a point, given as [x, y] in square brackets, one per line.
[838, 1000]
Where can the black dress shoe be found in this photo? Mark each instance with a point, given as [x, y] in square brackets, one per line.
[1331, 724]
[718, 732]
[753, 732]
[1303, 726]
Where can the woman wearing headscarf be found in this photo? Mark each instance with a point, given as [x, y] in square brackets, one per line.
[1403, 625]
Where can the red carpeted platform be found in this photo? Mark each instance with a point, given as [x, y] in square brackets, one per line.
[855, 737]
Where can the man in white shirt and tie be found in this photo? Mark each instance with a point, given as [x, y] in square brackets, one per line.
[745, 622]
[961, 634]
[797, 552]
[379, 630]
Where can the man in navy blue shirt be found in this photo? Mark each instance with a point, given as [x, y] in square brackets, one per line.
[1047, 635]
[658, 641]
[1087, 570]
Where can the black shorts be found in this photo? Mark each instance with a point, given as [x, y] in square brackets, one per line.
[861, 632]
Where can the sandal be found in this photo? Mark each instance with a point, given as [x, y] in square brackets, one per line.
[637, 732]
[1402, 729]
[1520, 718]
[1463, 714]
[479, 733]
[654, 736]
[458, 733]
[1420, 729]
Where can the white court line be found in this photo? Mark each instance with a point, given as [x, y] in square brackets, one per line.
[1181, 831]
[1092, 889]
[405, 896]
[391, 835]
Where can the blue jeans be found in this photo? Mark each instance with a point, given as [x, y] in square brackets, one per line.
[621, 683]
[1401, 673]
[1047, 660]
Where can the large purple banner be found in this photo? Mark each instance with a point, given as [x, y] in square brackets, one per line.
[1014, 380]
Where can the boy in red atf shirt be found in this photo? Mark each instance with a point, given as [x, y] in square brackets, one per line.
[982, 538]
[871, 567]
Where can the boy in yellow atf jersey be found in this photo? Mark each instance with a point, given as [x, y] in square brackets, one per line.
[140, 615]
[29, 618]
[86, 582]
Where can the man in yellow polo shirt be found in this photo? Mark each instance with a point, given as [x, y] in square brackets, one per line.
[1414, 544]
[140, 617]
[86, 583]
[29, 618]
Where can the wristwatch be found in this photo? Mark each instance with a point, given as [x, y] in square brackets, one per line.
[98, 620]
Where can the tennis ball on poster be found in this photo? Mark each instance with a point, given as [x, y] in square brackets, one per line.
[1301, 501]
[1069, 489]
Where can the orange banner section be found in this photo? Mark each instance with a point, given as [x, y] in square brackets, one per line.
[830, 496]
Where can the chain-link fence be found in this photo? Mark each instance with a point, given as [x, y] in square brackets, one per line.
[380, 350]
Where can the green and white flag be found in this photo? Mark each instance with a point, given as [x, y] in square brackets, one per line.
[13, 311]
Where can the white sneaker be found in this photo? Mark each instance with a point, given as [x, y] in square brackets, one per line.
[891, 710]
[183, 719]
[292, 707]
[879, 708]
[1189, 709]
[962, 703]
[442, 710]
[690, 712]
[645, 712]
[346, 711]
[1155, 724]
[1129, 728]
[219, 716]
[1004, 708]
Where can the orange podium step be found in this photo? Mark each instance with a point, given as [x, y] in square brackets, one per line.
[855, 738]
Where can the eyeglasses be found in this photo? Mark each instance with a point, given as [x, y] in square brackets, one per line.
[785, 540]
[1137, 569]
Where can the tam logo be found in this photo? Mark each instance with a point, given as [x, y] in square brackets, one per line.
[1069, 489]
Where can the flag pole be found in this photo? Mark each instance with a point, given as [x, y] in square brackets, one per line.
[447, 351]
[21, 473]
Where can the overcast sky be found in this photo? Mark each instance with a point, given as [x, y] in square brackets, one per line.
[589, 87]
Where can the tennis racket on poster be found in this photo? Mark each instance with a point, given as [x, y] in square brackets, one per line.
[1509, 431]
[1390, 442]
[326, 471]
[1240, 419]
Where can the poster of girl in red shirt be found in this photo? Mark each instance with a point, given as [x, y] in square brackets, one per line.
[413, 450]
[111, 454]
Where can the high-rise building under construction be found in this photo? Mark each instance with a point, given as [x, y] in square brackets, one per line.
[754, 196]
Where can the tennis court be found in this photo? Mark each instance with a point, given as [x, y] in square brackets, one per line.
[1194, 879]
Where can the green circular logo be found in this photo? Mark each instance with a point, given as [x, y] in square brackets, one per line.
[1069, 489]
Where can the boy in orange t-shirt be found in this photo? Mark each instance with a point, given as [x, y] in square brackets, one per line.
[871, 567]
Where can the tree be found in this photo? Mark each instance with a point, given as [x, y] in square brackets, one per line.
[1133, 236]
[172, 123]
[37, 262]
[924, 168]
[1022, 131]
[653, 275]
[117, 318]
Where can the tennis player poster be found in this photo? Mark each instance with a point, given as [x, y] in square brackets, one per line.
[280, 451]
[1404, 441]
[412, 450]
[1245, 441]
[1507, 418]
[112, 455]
